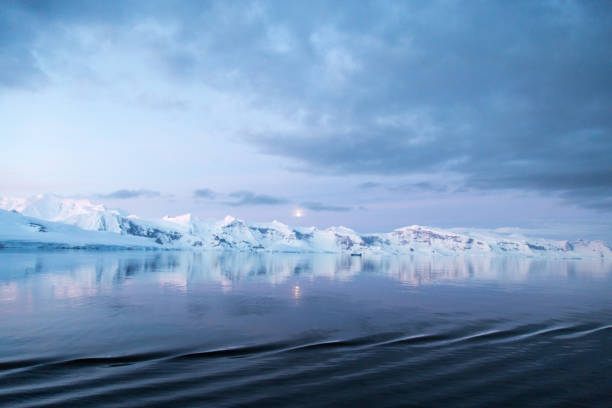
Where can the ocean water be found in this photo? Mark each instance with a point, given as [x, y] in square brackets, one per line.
[131, 329]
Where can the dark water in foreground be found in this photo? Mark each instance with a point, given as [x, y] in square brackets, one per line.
[182, 329]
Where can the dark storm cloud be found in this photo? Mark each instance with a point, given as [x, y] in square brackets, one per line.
[126, 194]
[317, 206]
[245, 198]
[506, 95]
[204, 193]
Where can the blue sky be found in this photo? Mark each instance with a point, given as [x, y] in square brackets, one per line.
[372, 115]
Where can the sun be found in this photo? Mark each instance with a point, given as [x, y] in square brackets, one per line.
[298, 213]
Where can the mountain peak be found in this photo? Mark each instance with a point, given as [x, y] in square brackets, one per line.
[230, 220]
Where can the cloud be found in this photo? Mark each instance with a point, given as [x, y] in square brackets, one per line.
[317, 206]
[23, 24]
[245, 198]
[127, 194]
[368, 185]
[501, 111]
[18, 65]
[204, 193]
[249, 198]
[423, 186]
[504, 95]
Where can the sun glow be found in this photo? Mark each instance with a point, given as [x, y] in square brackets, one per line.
[298, 213]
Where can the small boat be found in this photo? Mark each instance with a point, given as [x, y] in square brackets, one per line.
[356, 254]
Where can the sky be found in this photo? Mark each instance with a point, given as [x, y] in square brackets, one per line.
[368, 114]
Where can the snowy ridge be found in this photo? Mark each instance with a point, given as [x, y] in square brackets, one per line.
[19, 231]
[49, 219]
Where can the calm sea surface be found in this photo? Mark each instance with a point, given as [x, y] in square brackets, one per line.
[229, 329]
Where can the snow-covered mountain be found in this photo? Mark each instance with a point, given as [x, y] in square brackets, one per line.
[88, 216]
[19, 231]
[78, 222]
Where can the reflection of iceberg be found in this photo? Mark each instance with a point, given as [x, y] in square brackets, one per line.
[8, 292]
[74, 274]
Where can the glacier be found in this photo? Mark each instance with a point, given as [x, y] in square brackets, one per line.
[51, 221]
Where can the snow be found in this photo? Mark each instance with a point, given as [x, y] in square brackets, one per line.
[79, 212]
[79, 222]
[17, 230]
[184, 220]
